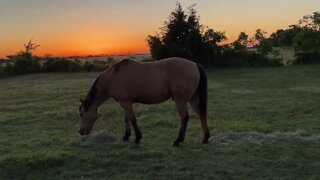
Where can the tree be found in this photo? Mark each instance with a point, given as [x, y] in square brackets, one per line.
[259, 35]
[308, 40]
[284, 37]
[30, 46]
[242, 42]
[28, 50]
[182, 35]
[311, 21]
[307, 43]
[24, 62]
[157, 49]
[264, 47]
[262, 44]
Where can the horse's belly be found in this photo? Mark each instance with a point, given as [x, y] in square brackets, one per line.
[151, 98]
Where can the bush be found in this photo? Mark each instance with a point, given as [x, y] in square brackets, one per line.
[24, 66]
[2, 71]
[75, 66]
[244, 58]
[307, 58]
[95, 66]
[61, 65]
[8, 69]
[110, 61]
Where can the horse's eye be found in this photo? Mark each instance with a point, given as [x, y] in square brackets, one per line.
[81, 115]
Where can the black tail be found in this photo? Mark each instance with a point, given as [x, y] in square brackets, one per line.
[202, 92]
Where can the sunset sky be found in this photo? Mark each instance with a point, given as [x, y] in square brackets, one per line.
[84, 27]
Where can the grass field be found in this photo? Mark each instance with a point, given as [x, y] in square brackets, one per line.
[264, 122]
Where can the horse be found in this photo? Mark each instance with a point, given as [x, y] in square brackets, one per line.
[129, 82]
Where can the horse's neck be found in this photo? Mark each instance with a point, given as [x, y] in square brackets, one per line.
[96, 96]
[100, 98]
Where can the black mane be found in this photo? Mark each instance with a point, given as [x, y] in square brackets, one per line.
[91, 95]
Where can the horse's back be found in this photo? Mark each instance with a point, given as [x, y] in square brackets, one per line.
[154, 82]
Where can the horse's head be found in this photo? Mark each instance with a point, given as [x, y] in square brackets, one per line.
[87, 118]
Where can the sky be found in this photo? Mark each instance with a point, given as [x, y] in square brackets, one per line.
[92, 27]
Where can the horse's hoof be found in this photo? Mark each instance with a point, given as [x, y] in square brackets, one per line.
[125, 138]
[175, 144]
[137, 141]
[205, 141]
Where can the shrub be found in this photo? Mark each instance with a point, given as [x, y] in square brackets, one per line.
[75, 66]
[95, 66]
[24, 66]
[110, 61]
[8, 69]
[307, 58]
[52, 64]
[2, 71]
[244, 58]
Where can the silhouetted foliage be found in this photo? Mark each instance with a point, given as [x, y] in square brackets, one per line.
[284, 37]
[24, 62]
[245, 58]
[307, 46]
[307, 58]
[241, 43]
[183, 36]
[311, 21]
[307, 41]
[52, 64]
[22, 66]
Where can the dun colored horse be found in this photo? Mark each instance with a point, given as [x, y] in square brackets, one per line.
[129, 82]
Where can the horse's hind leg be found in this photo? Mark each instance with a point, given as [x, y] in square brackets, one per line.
[194, 102]
[130, 117]
[184, 117]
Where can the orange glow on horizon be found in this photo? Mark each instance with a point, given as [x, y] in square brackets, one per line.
[66, 28]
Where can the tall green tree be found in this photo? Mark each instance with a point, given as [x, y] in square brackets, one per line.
[311, 21]
[263, 44]
[182, 35]
[242, 42]
[284, 37]
[259, 35]
[307, 42]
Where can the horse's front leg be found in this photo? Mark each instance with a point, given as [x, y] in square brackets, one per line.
[128, 129]
[130, 117]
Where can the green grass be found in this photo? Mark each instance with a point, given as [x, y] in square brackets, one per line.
[265, 124]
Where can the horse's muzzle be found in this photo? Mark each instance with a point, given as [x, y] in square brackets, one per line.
[84, 132]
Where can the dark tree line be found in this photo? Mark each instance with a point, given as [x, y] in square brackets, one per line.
[304, 37]
[182, 35]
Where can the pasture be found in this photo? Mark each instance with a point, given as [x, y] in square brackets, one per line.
[264, 122]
